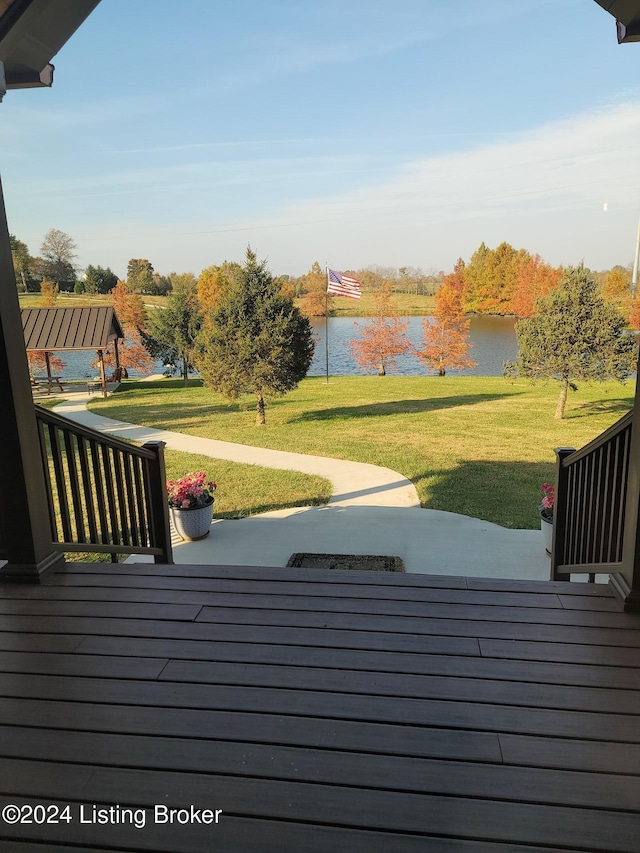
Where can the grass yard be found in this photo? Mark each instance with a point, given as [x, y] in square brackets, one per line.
[249, 489]
[480, 446]
[243, 489]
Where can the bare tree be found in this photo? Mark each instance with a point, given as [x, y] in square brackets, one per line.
[58, 258]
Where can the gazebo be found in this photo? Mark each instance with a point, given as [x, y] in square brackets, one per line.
[62, 329]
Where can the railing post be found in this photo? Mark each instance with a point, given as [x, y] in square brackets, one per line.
[159, 505]
[560, 515]
[626, 584]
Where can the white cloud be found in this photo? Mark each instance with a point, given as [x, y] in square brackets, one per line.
[543, 190]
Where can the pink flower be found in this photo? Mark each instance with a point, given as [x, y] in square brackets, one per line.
[190, 491]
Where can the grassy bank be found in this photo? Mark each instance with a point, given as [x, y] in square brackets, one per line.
[474, 445]
[407, 304]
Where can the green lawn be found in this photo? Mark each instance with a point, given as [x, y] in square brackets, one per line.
[249, 489]
[474, 445]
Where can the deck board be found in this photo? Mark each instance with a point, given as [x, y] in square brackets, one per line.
[343, 711]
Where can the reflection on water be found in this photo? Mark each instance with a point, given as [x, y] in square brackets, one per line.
[493, 338]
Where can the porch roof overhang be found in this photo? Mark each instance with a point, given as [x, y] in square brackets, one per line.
[627, 15]
[80, 328]
[31, 33]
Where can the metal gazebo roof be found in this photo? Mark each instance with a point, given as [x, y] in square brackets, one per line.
[56, 329]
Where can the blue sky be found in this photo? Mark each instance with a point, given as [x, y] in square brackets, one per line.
[356, 132]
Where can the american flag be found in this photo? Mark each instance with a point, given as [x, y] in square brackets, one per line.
[343, 285]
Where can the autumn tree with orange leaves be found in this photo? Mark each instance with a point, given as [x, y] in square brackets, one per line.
[534, 279]
[38, 362]
[315, 302]
[48, 293]
[213, 282]
[445, 337]
[634, 313]
[130, 311]
[384, 337]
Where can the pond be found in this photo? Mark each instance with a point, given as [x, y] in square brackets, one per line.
[493, 338]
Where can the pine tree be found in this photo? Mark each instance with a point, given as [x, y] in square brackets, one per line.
[173, 330]
[574, 335]
[256, 341]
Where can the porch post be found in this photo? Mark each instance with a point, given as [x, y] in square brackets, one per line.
[26, 548]
[103, 378]
[626, 583]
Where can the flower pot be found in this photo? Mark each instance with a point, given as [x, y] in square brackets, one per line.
[546, 525]
[193, 523]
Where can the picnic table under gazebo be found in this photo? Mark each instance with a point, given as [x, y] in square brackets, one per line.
[61, 329]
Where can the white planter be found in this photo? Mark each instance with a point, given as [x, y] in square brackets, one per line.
[192, 524]
[546, 525]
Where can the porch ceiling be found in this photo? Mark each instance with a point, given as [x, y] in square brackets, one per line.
[627, 14]
[32, 32]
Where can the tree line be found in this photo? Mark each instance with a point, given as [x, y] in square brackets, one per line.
[239, 326]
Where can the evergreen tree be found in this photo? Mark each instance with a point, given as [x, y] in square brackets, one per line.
[140, 275]
[257, 342]
[172, 331]
[22, 261]
[574, 334]
[99, 280]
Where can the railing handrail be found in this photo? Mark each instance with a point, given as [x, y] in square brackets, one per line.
[56, 419]
[599, 441]
[591, 487]
[105, 494]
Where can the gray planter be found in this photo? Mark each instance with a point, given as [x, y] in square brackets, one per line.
[546, 525]
[192, 524]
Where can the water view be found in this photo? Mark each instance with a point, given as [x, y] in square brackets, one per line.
[493, 338]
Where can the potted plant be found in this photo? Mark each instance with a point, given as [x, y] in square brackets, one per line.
[546, 514]
[191, 505]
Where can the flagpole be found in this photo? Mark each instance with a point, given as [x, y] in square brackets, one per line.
[326, 323]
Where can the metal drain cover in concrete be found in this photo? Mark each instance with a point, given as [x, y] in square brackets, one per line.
[346, 562]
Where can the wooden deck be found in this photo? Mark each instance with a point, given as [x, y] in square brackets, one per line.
[321, 711]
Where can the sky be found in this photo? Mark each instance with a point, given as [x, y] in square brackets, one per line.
[349, 132]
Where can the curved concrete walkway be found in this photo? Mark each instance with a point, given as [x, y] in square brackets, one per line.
[372, 511]
[353, 483]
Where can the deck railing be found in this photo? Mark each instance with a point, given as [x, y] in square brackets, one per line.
[105, 495]
[591, 490]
